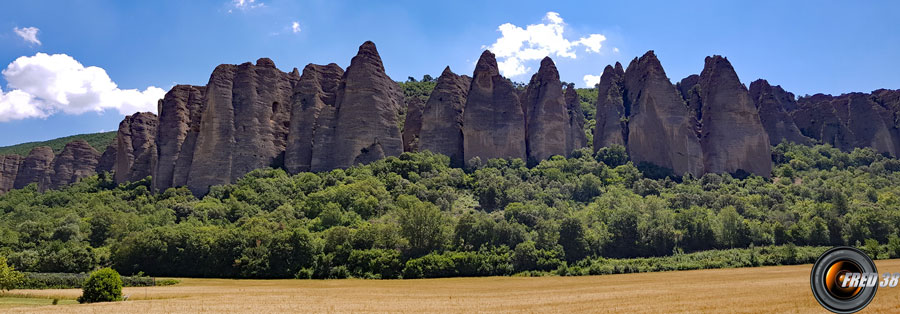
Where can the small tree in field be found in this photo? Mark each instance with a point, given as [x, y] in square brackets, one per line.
[104, 285]
[9, 277]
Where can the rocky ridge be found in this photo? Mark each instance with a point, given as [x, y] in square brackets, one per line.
[251, 116]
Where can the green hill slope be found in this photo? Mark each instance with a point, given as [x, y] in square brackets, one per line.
[98, 140]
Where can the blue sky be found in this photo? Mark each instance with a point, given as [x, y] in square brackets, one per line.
[147, 46]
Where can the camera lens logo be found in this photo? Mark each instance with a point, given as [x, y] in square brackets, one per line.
[844, 280]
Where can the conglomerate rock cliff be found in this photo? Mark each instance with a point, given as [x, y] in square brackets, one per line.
[76, 161]
[251, 116]
[493, 120]
[442, 117]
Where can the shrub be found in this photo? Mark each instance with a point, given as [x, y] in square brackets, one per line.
[104, 285]
[9, 277]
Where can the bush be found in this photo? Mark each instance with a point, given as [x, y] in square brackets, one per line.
[9, 277]
[104, 285]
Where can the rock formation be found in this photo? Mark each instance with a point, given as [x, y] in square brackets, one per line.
[366, 118]
[107, 162]
[575, 137]
[136, 147]
[774, 106]
[244, 124]
[442, 117]
[610, 116]
[176, 137]
[36, 168]
[660, 129]
[412, 125]
[313, 94]
[76, 161]
[849, 121]
[252, 116]
[493, 120]
[546, 114]
[732, 136]
[9, 168]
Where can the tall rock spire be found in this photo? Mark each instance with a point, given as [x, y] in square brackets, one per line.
[733, 138]
[442, 117]
[367, 115]
[610, 116]
[493, 120]
[547, 118]
[661, 130]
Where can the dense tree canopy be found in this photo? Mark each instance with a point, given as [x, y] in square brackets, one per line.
[415, 216]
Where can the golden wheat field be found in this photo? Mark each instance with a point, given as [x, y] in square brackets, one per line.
[751, 290]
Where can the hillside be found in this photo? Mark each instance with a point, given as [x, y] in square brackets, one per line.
[97, 140]
[414, 216]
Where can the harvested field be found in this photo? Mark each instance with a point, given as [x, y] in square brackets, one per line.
[756, 290]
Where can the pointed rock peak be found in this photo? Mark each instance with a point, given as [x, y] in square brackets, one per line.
[547, 65]
[646, 63]
[265, 62]
[609, 70]
[762, 83]
[718, 63]
[619, 68]
[447, 71]
[487, 63]
[547, 62]
[295, 73]
[719, 67]
[368, 48]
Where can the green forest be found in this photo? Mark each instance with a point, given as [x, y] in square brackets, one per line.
[414, 216]
[97, 140]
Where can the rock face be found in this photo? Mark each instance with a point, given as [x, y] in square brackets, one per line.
[366, 118]
[136, 147]
[36, 168]
[849, 121]
[546, 114]
[179, 127]
[244, 124]
[493, 119]
[660, 130]
[575, 137]
[774, 106]
[76, 161]
[9, 168]
[412, 125]
[107, 162]
[252, 116]
[442, 117]
[611, 128]
[732, 136]
[313, 94]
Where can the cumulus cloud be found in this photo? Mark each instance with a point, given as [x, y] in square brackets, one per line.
[518, 45]
[591, 80]
[29, 34]
[42, 85]
[295, 27]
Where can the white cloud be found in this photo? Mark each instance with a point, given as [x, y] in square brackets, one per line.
[616, 50]
[295, 27]
[591, 80]
[518, 45]
[29, 34]
[246, 4]
[42, 85]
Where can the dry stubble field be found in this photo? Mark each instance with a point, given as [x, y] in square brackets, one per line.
[757, 290]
